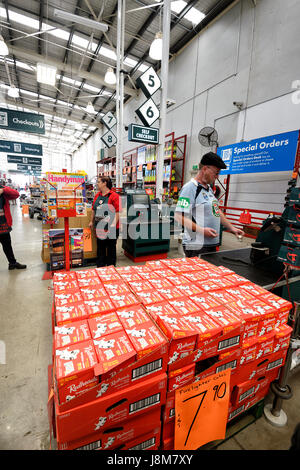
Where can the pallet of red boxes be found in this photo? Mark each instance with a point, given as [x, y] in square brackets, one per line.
[126, 338]
[109, 364]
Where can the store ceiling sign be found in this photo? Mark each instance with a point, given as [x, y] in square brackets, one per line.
[148, 112]
[267, 154]
[20, 147]
[22, 167]
[109, 120]
[149, 82]
[109, 139]
[142, 134]
[21, 121]
[24, 160]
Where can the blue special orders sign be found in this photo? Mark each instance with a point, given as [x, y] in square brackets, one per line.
[272, 153]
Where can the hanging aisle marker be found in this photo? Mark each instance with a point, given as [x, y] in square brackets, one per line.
[109, 139]
[201, 411]
[148, 112]
[109, 120]
[149, 82]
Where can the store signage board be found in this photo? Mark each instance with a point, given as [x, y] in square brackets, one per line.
[20, 166]
[201, 411]
[148, 112]
[21, 121]
[109, 120]
[149, 82]
[109, 139]
[142, 134]
[267, 154]
[20, 147]
[24, 160]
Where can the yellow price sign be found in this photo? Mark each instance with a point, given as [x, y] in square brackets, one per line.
[201, 411]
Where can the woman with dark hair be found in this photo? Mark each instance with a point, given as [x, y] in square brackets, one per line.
[105, 220]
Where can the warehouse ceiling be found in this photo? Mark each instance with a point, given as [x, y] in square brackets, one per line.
[81, 56]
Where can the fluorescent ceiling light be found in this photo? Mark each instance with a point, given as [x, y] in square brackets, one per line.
[13, 92]
[90, 108]
[194, 16]
[3, 47]
[178, 6]
[155, 51]
[65, 15]
[110, 76]
[46, 74]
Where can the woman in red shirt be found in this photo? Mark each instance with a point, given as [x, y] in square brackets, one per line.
[7, 194]
[105, 220]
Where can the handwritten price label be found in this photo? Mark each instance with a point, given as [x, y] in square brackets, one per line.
[201, 411]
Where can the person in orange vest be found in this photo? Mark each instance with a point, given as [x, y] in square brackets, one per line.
[7, 194]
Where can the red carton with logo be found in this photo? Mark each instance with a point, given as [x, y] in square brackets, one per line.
[65, 285]
[190, 289]
[223, 296]
[249, 350]
[145, 338]
[114, 351]
[116, 288]
[176, 280]
[116, 436]
[62, 299]
[184, 306]
[181, 335]
[225, 318]
[64, 276]
[140, 286]
[161, 283]
[180, 377]
[124, 300]
[70, 334]
[70, 313]
[169, 408]
[245, 390]
[248, 315]
[282, 306]
[282, 337]
[105, 325]
[172, 293]
[93, 293]
[87, 274]
[161, 308]
[205, 301]
[74, 369]
[196, 276]
[265, 345]
[267, 316]
[133, 316]
[150, 297]
[98, 307]
[89, 282]
[111, 410]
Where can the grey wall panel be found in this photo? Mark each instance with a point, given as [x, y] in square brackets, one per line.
[182, 74]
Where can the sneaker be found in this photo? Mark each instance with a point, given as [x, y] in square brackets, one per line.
[17, 266]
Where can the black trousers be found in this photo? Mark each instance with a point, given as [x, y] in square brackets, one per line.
[107, 251]
[205, 249]
[5, 241]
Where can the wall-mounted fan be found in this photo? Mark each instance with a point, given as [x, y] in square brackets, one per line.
[208, 137]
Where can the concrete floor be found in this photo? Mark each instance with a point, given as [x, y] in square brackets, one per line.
[25, 331]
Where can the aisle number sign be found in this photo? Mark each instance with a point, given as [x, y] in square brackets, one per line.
[109, 120]
[109, 139]
[201, 411]
[148, 112]
[149, 82]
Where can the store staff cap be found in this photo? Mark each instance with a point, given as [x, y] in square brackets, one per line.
[213, 159]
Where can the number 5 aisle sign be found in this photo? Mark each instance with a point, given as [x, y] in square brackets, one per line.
[201, 411]
[149, 82]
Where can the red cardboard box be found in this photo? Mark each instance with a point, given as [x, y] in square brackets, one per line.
[105, 325]
[124, 300]
[161, 283]
[184, 306]
[228, 362]
[168, 430]
[282, 306]
[172, 293]
[145, 338]
[150, 297]
[115, 436]
[133, 316]
[267, 315]
[249, 315]
[65, 285]
[93, 293]
[64, 276]
[249, 350]
[169, 408]
[90, 282]
[70, 313]
[74, 369]
[72, 333]
[209, 285]
[254, 289]
[242, 295]
[67, 298]
[141, 285]
[180, 377]
[111, 410]
[265, 345]
[181, 335]
[108, 277]
[225, 318]
[149, 441]
[205, 326]
[131, 277]
[116, 288]
[196, 276]
[245, 390]
[99, 307]
[223, 296]
[114, 351]
[86, 274]
[237, 280]
[282, 337]
[176, 280]
[161, 308]
[205, 301]
[149, 276]
[190, 290]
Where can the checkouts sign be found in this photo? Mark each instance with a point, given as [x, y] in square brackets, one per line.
[201, 411]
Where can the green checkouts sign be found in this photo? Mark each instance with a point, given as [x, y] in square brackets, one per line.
[21, 121]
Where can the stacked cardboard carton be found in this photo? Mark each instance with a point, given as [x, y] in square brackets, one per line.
[124, 339]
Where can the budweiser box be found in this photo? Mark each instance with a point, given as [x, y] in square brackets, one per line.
[180, 377]
[74, 369]
[115, 436]
[70, 334]
[111, 410]
[70, 313]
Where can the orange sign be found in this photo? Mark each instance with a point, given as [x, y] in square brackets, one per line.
[87, 239]
[201, 411]
[25, 209]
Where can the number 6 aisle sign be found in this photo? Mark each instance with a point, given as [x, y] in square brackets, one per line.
[201, 411]
[148, 112]
[149, 82]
